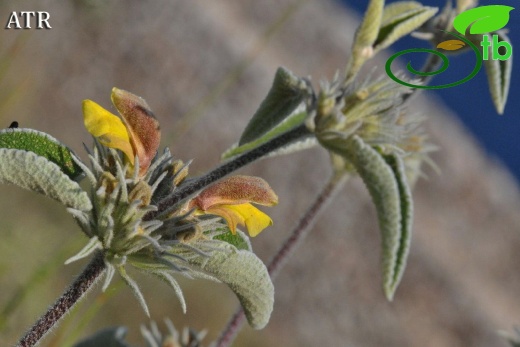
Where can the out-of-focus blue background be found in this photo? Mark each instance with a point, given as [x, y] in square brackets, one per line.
[498, 134]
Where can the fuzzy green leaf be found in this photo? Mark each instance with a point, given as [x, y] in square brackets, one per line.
[368, 30]
[287, 93]
[293, 120]
[31, 171]
[111, 337]
[499, 76]
[400, 19]
[42, 144]
[405, 198]
[385, 184]
[365, 37]
[482, 19]
[247, 277]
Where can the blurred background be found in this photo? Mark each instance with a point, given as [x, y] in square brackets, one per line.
[204, 67]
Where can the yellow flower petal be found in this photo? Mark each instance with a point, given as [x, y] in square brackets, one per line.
[107, 128]
[254, 219]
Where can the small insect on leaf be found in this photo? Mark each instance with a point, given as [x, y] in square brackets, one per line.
[13, 125]
[451, 45]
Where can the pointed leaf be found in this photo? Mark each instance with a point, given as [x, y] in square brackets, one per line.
[405, 198]
[499, 77]
[247, 276]
[451, 45]
[287, 93]
[290, 122]
[31, 171]
[400, 19]
[42, 144]
[482, 19]
[366, 35]
[380, 179]
[368, 30]
[111, 337]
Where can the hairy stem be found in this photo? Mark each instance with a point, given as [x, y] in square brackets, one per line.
[72, 295]
[225, 169]
[298, 234]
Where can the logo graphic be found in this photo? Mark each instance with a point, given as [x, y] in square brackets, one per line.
[481, 20]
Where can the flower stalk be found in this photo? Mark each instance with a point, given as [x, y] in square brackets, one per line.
[90, 275]
[298, 234]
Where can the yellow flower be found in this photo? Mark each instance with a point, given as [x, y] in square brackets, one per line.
[232, 200]
[136, 134]
[107, 128]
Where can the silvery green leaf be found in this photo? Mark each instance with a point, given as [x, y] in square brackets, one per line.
[406, 203]
[42, 144]
[294, 119]
[111, 337]
[287, 93]
[400, 19]
[499, 76]
[247, 277]
[31, 171]
[365, 37]
[380, 179]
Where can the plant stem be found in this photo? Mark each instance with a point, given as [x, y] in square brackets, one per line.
[280, 258]
[76, 291]
[431, 64]
[223, 170]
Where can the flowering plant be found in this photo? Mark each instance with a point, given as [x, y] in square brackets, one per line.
[140, 208]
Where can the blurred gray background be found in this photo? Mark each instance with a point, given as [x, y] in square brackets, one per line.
[204, 67]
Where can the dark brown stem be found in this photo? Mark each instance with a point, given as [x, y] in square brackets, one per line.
[72, 295]
[225, 169]
[297, 235]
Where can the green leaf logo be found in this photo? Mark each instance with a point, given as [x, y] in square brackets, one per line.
[483, 19]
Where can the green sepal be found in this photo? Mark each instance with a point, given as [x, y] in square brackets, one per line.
[111, 337]
[286, 94]
[239, 240]
[246, 275]
[42, 144]
[400, 19]
[290, 122]
[31, 171]
[499, 76]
